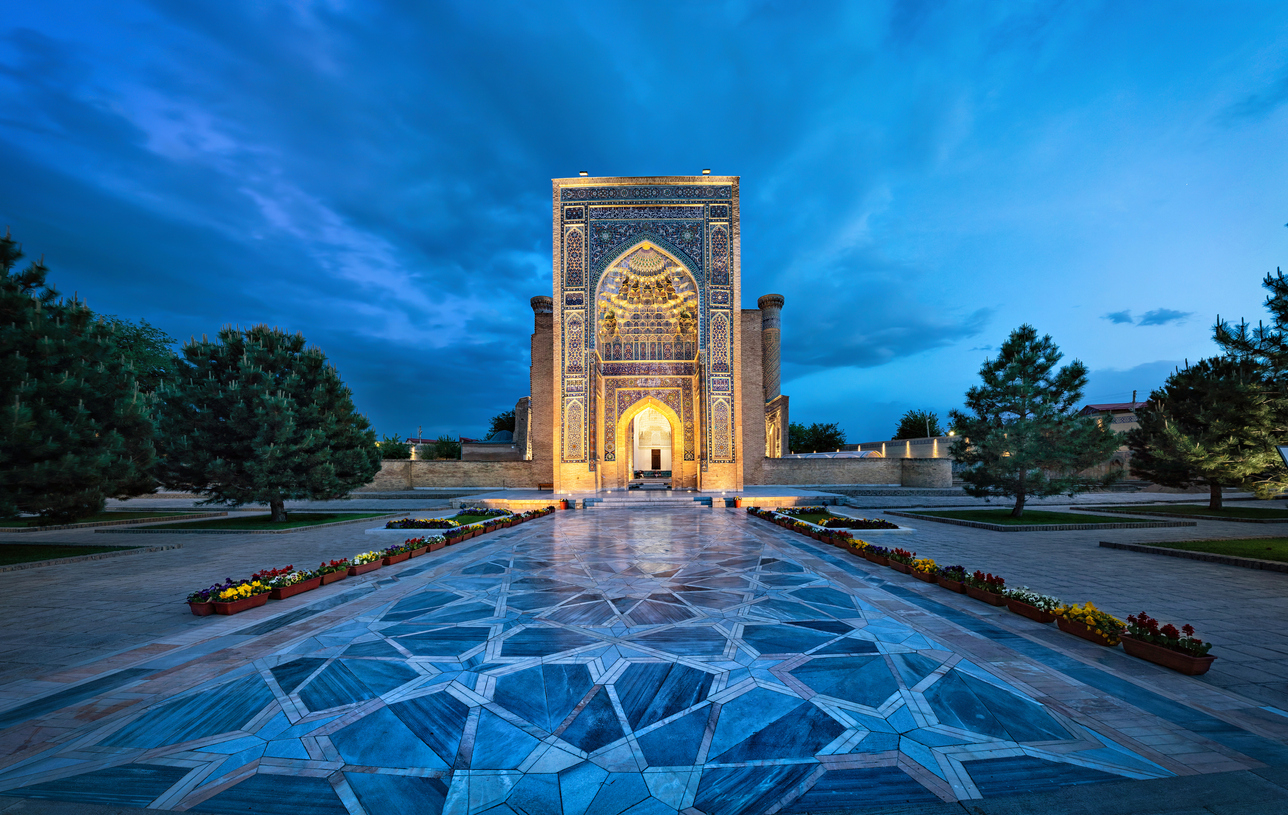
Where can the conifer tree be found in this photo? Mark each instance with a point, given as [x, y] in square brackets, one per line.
[1210, 424]
[1022, 436]
[258, 417]
[74, 428]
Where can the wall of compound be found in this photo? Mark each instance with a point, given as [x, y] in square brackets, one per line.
[753, 402]
[407, 475]
[885, 471]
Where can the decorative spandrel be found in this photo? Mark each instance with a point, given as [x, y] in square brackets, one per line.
[647, 309]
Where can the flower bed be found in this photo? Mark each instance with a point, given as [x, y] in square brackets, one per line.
[1037, 607]
[986, 587]
[233, 596]
[422, 523]
[953, 578]
[1090, 623]
[1179, 650]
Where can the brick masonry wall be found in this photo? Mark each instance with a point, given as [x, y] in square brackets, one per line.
[406, 474]
[904, 472]
[753, 399]
[541, 392]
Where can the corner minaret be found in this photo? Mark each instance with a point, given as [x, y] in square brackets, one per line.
[771, 323]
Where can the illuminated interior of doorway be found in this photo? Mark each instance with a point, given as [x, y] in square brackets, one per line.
[628, 436]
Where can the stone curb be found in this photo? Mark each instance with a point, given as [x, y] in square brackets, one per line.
[173, 531]
[1039, 527]
[1209, 557]
[184, 516]
[138, 550]
[1195, 517]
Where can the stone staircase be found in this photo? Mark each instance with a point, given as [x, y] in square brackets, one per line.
[650, 499]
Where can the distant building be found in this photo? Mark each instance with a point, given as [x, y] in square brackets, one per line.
[1120, 415]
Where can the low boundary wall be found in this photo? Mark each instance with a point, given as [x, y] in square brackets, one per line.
[903, 472]
[406, 474]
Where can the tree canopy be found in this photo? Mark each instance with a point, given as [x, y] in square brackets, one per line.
[74, 427]
[1211, 424]
[393, 447]
[1020, 434]
[502, 421]
[918, 424]
[816, 438]
[258, 417]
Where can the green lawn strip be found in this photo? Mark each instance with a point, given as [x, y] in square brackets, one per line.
[294, 520]
[1250, 513]
[1030, 517]
[11, 553]
[1260, 548]
[96, 518]
[813, 517]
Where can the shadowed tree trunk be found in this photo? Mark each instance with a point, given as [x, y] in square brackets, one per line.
[1214, 491]
[278, 507]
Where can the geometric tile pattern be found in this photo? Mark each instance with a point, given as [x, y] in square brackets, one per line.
[600, 663]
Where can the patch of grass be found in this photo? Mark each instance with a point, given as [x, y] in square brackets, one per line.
[95, 518]
[813, 517]
[11, 553]
[1250, 513]
[470, 519]
[1261, 548]
[294, 520]
[1030, 517]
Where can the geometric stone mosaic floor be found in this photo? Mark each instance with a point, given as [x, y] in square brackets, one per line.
[601, 663]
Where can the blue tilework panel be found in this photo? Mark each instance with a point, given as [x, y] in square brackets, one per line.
[602, 663]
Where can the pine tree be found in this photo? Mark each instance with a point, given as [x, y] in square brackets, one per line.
[258, 417]
[1210, 424]
[74, 428]
[1022, 436]
[816, 438]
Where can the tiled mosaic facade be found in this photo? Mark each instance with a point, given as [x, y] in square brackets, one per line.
[646, 286]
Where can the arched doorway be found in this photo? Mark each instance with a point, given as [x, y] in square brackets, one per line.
[642, 418]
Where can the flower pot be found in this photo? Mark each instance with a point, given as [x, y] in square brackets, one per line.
[282, 592]
[237, 606]
[1080, 630]
[925, 577]
[434, 547]
[877, 559]
[392, 559]
[952, 585]
[1032, 612]
[363, 568]
[202, 609]
[985, 596]
[418, 551]
[563, 504]
[902, 568]
[1162, 655]
[451, 541]
[737, 502]
[331, 577]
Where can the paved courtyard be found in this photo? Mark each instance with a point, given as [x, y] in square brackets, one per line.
[608, 662]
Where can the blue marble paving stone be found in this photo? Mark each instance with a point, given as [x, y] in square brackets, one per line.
[467, 612]
[962, 701]
[713, 599]
[381, 677]
[134, 785]
[536, 794]
[578, 786]
[877, 743]
[382, 740]
[437, 719]
[786, 579]
[380, 649]
[857, 790]
[499, 745]
[595, 726]
[286, 748]
[290, 675]
[380, 793]
[864, 680]
[652, 612]
[583, 614]
[419, 603]
[484, 568]
[279, 794]
[535, 601]
[830, 626]
[540, 642]
[207, 713]
[544, 695]
[619, 792]
[770, 564]
[447, 642]
[912, 668]
[800, 733]
[739, 790]
[652, 691]
[335, 686]
[675, 744]
[71, 696]
[849, 645]
[702, 640]
[745, 715]
[780, 639]
[998, 776]
[290, 617]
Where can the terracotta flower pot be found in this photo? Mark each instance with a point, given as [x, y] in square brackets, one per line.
[737, 502]
[985, 596]
[363, 568]
[1080, 630]
[1179, 661]
[202, 609]
[331, 577]
[952, 585]
[902, 568]
[434, 547]
[1032, 612]
[282, 592]
[925, 577]
[418, 551]
[238, 606]
[877, 559]
[392, 559]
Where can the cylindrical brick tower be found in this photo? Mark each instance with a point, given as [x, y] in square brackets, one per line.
[771, 307]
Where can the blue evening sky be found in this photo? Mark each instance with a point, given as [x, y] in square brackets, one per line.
[918, 179]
